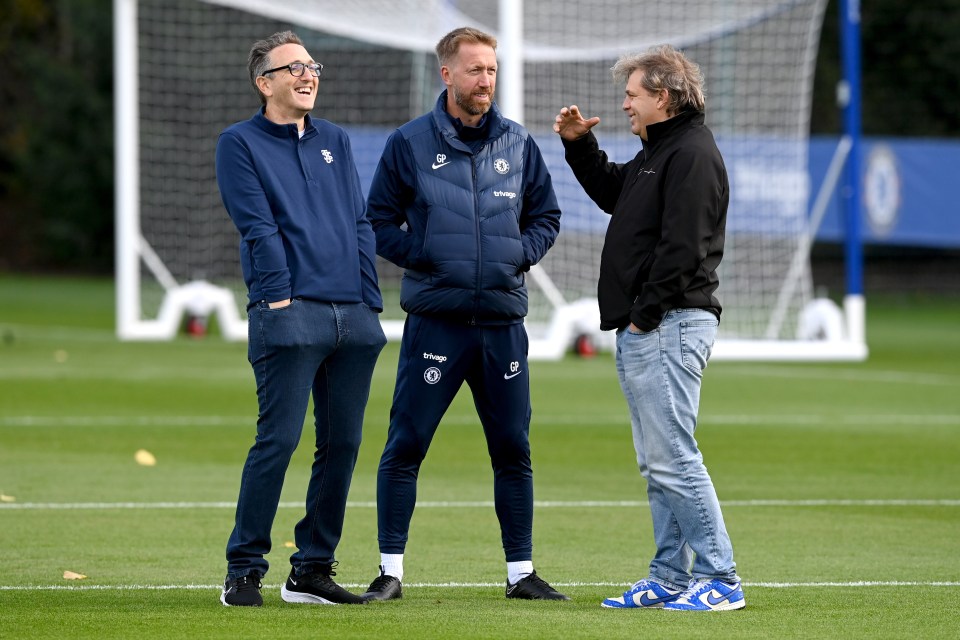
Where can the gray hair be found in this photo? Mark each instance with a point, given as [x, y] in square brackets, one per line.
[259, 59]
[664, 67]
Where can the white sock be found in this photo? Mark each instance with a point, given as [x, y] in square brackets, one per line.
[517, 571]
[392, 564]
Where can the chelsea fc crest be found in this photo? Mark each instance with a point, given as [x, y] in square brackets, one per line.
[501, 166]
[432, 375]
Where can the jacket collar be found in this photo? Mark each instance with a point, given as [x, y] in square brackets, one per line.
[444, 122]
[660, 131]
[283, 130]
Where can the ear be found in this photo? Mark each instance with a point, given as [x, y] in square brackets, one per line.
[263, 83]
[663, 99]
[445, 75]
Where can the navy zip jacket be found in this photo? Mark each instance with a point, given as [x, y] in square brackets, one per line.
[299, 208]
[669, 216]
[478, 214]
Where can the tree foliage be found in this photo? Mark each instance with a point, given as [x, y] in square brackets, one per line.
[56, 134]
[910, 71]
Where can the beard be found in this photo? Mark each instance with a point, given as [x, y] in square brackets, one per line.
[469, 105]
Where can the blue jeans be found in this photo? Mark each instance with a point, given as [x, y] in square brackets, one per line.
[329, 350]
[660, 373]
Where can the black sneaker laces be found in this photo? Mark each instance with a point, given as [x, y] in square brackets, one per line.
[249, 581]
[381, 582]
[534, 579]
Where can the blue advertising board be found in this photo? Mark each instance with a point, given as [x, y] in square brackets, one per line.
[909, 189]
[909, 186]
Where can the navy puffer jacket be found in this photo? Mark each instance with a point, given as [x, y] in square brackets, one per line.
[475, 221]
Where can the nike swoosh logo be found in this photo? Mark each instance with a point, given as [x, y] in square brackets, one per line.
[293, 582]
[646, 602]
[713, 600]
[437, 166]
[507, 376]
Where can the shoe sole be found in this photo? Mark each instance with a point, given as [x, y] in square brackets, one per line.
[223, 599]
[297, 597]
[376, 598]
[732, 606]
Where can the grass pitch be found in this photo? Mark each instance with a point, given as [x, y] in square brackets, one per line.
[840, 485]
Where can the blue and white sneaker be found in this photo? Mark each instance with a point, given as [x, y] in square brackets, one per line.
[645, 594]
[708, 595]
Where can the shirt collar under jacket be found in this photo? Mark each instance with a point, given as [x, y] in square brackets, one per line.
[282, 130]
[470, 133]
[490, 124]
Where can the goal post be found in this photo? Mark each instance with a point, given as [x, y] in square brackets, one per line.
[181, 79]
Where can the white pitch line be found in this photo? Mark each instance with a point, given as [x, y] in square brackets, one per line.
[125, 421]
[915, 420]
[484, 504]
[850, 375]
[479, 585]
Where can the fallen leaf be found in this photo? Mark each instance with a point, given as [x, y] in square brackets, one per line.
[5, 498]
[70, 575]
[289, 545]
[145, 458]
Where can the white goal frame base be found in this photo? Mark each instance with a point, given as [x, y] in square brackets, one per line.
[835, 335]
[199, 299]
[842, 337]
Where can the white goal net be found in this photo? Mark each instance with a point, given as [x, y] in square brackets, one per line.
[181, 79]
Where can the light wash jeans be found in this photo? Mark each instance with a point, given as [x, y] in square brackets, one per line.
[660, 373]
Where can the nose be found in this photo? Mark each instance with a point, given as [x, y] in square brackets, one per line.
[626, 103]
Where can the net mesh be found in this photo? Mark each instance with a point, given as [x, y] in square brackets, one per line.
[380, 71]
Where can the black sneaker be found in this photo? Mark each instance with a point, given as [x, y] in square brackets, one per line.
[317, 588]
[243, 591]
[384, 587]
[533, 587]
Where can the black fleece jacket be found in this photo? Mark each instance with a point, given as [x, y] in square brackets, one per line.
[669, 212]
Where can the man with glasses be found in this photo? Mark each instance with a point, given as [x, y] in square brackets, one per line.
[290, 185]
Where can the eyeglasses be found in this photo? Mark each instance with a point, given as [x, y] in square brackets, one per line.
[296, 69]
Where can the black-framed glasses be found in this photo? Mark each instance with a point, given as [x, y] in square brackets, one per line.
[296, 69]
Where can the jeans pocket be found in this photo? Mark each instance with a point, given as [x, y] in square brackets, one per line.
[696, 343]
[286, 326]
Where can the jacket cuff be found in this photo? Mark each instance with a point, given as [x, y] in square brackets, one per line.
[276, 295]
[645, 322]
[581, 144]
